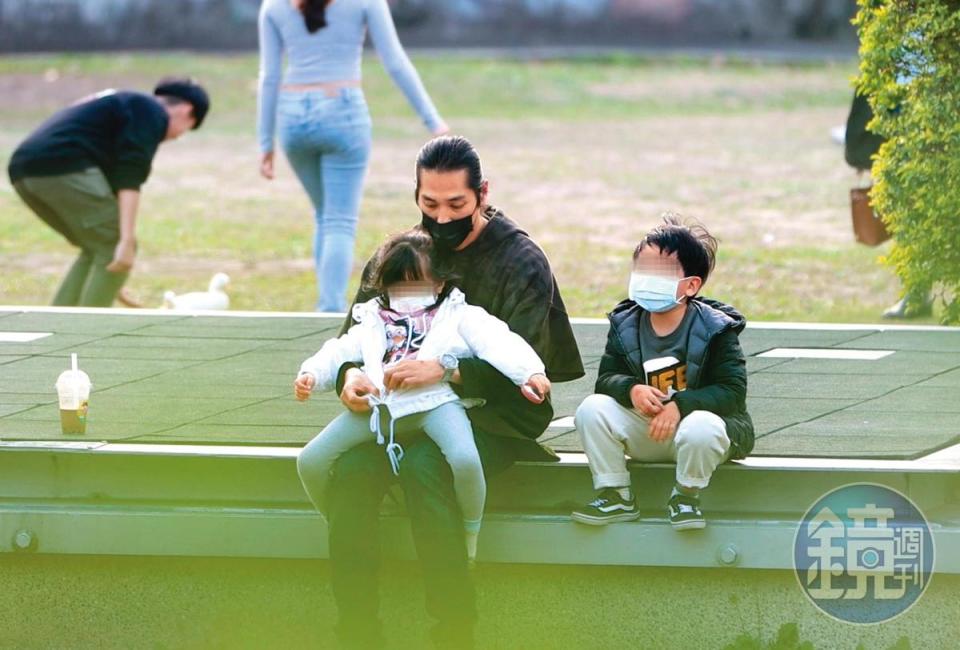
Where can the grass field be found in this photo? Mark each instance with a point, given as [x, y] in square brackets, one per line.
[584, 154]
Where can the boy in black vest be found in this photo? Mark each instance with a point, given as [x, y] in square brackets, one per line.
[672, 384]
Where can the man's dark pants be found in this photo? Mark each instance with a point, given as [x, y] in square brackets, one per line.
[360, 479]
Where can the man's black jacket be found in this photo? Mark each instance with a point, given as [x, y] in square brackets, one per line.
[506, 273]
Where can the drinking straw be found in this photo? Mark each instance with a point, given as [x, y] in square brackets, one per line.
[76, 375]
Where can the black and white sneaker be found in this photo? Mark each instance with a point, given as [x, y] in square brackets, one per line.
[607, 508]
[684, 511]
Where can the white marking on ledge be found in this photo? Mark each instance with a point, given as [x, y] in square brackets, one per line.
[937, 462]
[932, 463]
[172, 314]
[22, 337]
[825, 353]
[562, 423]
[812, 327]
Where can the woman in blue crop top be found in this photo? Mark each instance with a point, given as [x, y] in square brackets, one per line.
[318, 110]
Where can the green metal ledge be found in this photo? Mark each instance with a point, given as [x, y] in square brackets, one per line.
[241, 501]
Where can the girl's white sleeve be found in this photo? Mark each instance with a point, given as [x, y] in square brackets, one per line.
[491, 340]
[325, 364]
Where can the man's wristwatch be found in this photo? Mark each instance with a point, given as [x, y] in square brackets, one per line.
[449, 363]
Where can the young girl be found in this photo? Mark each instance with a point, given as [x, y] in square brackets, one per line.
[417, 314]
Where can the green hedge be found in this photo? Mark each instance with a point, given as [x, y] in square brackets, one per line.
[910, 71]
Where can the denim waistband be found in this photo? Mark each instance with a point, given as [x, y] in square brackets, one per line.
[347, 92]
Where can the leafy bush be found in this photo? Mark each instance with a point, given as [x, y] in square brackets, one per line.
[910, 71]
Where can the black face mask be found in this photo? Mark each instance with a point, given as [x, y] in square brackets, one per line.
[447, 236]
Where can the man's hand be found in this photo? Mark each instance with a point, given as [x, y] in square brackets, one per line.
[413, 374]
[127, 299]
[303, 386]
[266, 165]
[646, 399]
[536, 389]
[356, 387]
[664, 425]
[123, 256]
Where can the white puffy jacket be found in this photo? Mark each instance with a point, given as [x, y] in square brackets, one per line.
[458, 328]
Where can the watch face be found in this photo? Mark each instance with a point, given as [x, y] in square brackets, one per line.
[449, 361]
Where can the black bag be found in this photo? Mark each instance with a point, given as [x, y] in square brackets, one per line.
[860, 144]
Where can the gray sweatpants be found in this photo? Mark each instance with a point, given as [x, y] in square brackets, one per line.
[447, 425]
[610, 430]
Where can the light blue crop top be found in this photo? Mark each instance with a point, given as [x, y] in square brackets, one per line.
[332, 53]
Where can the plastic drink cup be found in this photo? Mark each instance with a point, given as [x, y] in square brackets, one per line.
[73, 392]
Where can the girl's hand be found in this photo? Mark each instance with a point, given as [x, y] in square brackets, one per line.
[536, 389]
[303, 386]
[266, 165]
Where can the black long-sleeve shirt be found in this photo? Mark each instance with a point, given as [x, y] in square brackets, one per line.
[506, 273]
[119, 132]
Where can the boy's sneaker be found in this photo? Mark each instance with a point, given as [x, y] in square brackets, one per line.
[684, 511]
[607, 508]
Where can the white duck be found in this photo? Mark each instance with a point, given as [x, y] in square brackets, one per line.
[214, 298]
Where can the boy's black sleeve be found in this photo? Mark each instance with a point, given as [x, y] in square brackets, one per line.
[615, 377]
[724, 389]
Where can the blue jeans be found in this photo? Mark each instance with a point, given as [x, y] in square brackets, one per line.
[327, 140]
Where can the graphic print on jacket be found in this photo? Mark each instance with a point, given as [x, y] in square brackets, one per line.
[405, 333]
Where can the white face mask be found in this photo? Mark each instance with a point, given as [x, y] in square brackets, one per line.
[411, 297]
[654, 293]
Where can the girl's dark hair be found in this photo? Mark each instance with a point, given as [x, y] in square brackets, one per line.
[314, 14]
[450, 153]
[403, 258]
[696, 248]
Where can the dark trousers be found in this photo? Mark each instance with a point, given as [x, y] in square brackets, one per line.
[81, 207]
[361, 478]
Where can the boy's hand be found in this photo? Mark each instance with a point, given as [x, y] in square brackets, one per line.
[664, 425]
[647, 399]
[303, 386]
[536, 389]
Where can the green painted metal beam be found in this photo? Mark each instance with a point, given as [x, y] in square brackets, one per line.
[247, 502]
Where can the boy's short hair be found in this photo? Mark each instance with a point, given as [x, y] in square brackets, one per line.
[696, 248]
